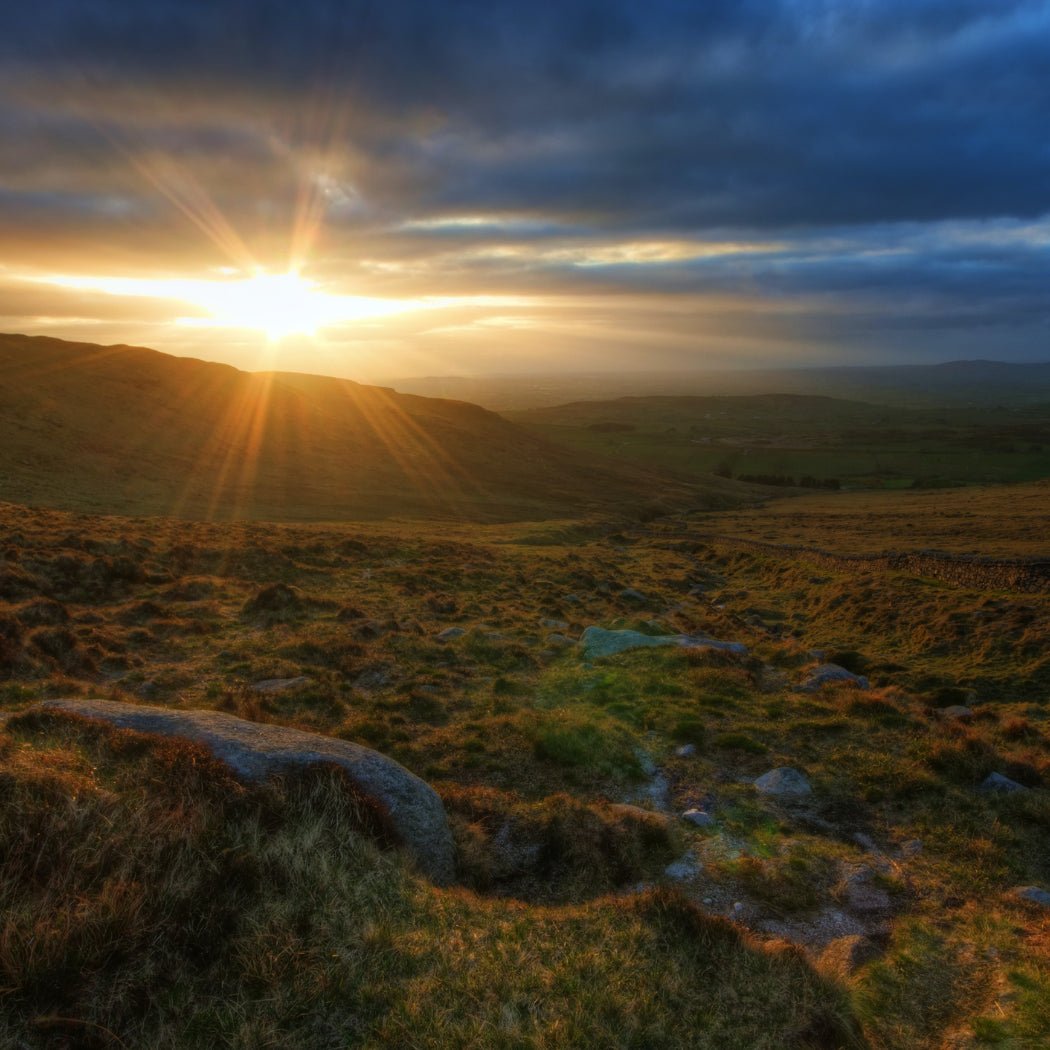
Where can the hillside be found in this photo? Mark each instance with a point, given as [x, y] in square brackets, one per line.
[823, 439]
[953, 383]
[130, 430]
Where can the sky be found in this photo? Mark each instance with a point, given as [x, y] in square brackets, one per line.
[383, 188]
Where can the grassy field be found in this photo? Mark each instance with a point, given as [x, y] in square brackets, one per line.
[149, 901]
[856, 444]
[129, 430]
[1011, 522]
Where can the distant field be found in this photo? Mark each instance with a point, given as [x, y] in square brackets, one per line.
[1011, 521]
[855, 444]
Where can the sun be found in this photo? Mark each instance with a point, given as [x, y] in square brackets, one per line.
[277, 304]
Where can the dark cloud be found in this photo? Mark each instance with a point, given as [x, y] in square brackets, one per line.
[587, 122]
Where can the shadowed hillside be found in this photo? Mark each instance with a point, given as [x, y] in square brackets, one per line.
[132, 430]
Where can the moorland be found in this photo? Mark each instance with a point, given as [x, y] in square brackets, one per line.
[621, 880]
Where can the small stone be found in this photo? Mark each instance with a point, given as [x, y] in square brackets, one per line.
[956, 713]
[1031, 895]
[554, 625]
[699, 817]
[866, 842]
[783, 781]
[911, 848]
[686, 751]
[686, 867]
[830, 674]
[629, 594]
[450, 633]
[279, 685]
[863, 896]
[559, 641]
[1004, 785]
[373, 678]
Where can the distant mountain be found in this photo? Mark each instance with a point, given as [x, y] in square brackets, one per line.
[953, 383]
[129, 430]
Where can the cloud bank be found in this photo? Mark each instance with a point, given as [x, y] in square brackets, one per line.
[667, 184]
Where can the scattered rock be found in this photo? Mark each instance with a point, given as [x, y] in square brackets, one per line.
[1004, 785]
[255, 751]
[372, 678]
[783, 781]
[450, 634]
[845, 955]
[554, 625]
[863, 896]
[279, 685]
[559, 641]
[598, 642]
[686, 867]
[866, 842]
[645, 762]
[1031, 895]
[699, 817]
[911, 848]
[629, 594]
[275, 598]
[956, 713]
[686, 751]
[828, 674]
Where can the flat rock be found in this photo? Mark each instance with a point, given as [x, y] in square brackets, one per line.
[630, 594]
[598, 642]
[1003, 785]
[863, 896]
[699, 817]
[279, 685]
[450, 633]
[686, 867]
[956, 713]
[830, 674]
[1031, 895]
[254, 751]
[783, 781]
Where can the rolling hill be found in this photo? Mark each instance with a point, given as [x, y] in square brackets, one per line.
[953, 383]
[786, 435]
[131, 430]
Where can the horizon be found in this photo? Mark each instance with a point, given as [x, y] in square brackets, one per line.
[598, 189]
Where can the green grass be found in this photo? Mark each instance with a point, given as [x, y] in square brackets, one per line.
[184, 911]
[151, 896]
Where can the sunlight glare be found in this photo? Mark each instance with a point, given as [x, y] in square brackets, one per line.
[278, 305]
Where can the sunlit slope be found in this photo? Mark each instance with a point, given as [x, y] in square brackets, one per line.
[133, 430]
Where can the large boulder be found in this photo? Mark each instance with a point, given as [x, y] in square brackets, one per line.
[254, 751]
[598, 642]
